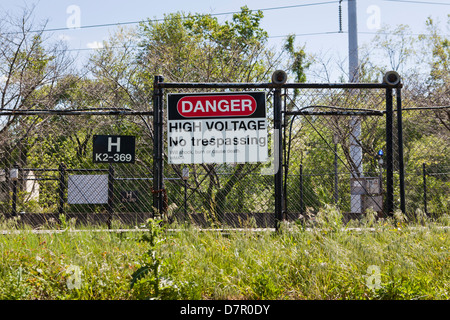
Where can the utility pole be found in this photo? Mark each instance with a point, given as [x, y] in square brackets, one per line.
[353, 42]
[355, 122]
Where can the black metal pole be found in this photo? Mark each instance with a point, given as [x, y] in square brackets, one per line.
[158, 143]
[424, 175]
[285, 156]
[401, 166]
[278, 153]
[61, 187]
[389, 155]
[110, 194]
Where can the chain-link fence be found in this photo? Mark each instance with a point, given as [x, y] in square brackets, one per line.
[226, 193]
[327, 144]
[336, 139]
[426, 131]
[49, 168]
[332, 143]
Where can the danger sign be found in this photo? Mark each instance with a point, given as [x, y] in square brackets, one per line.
[216, 106]
[217, 128]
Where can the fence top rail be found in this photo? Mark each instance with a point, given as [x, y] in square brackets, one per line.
[335, 113]
[65, 169]
[217, 85]
[119, 112]
[427, 108]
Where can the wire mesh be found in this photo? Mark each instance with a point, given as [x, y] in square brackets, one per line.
[219, 194]
[58, 175]
[426, 131]
[334, 144]
[334, 137]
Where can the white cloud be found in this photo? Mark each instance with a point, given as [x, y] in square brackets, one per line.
[64, 37]
[95, 45]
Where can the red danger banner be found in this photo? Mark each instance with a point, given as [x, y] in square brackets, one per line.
[242, 105]
[216, 105]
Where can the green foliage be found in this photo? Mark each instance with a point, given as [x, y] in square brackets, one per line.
[440, 49]
[298, 65]
[14, 287]
[191, 47]
[148, 274]
[327, 260]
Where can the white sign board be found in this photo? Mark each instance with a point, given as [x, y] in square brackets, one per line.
[88, 189]
[217, 128]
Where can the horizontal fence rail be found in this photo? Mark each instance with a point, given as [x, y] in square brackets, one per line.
[336, 145]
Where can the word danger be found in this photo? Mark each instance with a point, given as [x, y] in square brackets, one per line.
[216, 106]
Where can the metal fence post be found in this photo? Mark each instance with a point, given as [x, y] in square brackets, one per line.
[401, 166]
[158, 144]
[389, 154]
[278, 152]
[285, 157]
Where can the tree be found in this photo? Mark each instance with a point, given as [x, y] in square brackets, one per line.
[188, 48]
[31, 78]
[440, 55]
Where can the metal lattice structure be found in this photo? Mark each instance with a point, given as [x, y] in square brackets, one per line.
[330, 144]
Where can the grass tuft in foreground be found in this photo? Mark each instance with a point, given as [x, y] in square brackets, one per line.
[368, 259]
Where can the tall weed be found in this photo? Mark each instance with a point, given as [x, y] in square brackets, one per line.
[391, 258]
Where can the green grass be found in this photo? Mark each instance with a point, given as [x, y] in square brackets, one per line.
[324, 261]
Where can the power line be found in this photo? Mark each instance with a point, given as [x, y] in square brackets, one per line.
[269, 37]
[296, 6]
[281, 36]
[391, 33]
[234, 12]
[307, 34]
[162, 19]
[420, 2]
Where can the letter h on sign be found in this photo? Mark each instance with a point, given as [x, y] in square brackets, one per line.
[113, 144]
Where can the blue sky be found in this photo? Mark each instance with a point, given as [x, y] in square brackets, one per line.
[314, 22]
